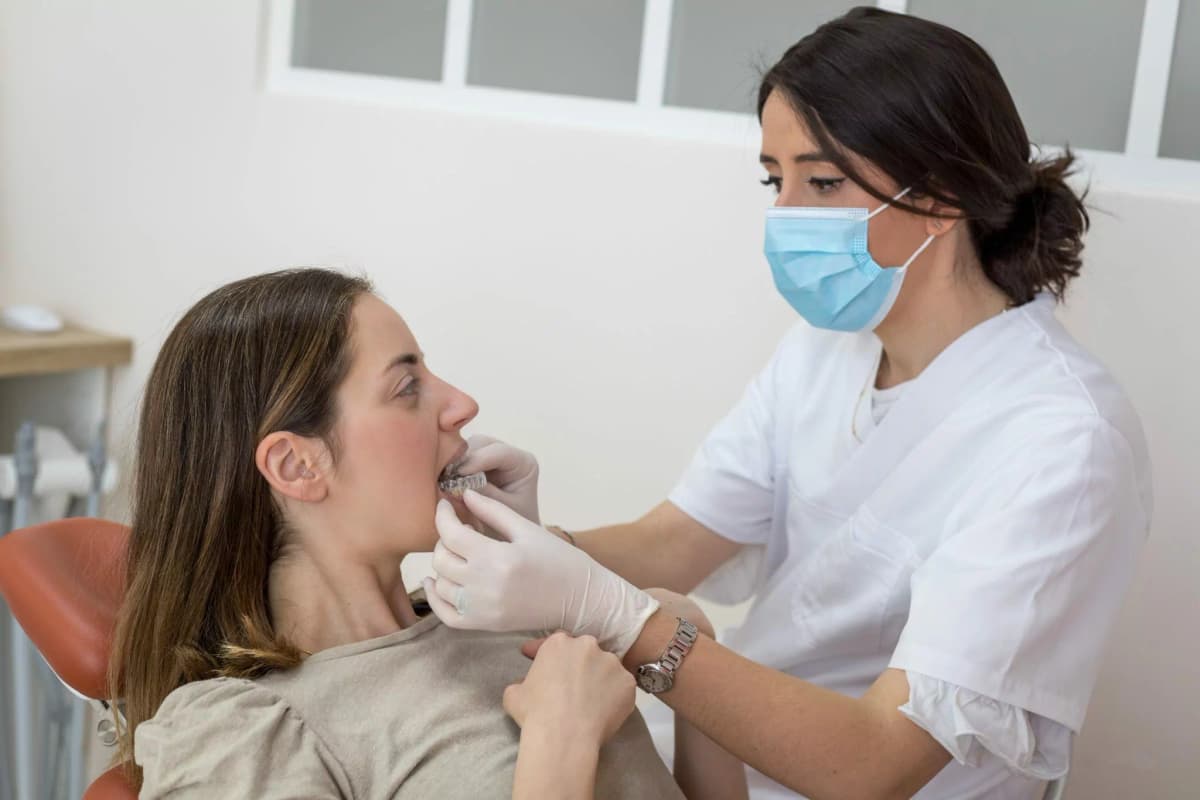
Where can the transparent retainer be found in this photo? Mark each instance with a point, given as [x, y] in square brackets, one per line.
[460, 483]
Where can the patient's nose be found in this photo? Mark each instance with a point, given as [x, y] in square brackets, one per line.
[460, 409]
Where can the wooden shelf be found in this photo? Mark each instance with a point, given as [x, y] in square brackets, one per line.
[69, 349]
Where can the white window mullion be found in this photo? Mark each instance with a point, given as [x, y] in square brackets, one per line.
[1150, 80]
[899, 6]
[656, 44]
[456, 51]
[281, 16]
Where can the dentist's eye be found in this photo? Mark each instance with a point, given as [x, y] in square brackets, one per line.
[824, 185]
[771, 180]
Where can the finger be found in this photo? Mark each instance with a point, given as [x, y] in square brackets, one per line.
[446, 612]
[458, 506]
[448, 564]
[450, 591]
[487, 457]
[478, 440]
[499, 517]
[513, 706]
[459, 537]
[493, 491]
[530, 648]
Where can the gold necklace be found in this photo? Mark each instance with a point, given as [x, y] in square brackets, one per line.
[872, 374]
[854, 414]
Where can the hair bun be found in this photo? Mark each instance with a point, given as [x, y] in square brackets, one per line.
[1038, 248]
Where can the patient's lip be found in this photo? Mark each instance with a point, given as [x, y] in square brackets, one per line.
[459, 456]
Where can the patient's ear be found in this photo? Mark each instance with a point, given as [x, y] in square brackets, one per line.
[293, 465]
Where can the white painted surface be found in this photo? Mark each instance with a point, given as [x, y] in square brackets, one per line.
[1152, 76]
[601, 293]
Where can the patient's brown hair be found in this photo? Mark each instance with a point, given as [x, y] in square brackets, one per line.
[259, 355]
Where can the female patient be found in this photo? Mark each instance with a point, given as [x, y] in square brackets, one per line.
[290, 446]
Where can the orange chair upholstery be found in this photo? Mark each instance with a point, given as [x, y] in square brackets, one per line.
[63, 582]
[110, 786]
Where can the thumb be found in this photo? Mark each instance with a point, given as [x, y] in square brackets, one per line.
[483, 456]
[530, 648]
[497, 516]
[479, 440]
[512, 701]
[461, 539]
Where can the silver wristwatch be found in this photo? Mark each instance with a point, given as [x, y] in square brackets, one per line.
[659, 676]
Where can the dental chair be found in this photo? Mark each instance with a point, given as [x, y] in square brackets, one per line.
[63, 582]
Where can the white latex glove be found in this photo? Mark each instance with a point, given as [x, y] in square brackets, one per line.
[512, 474]
[534, 581]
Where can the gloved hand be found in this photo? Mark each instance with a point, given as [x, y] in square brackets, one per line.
[534, 581]
[512, 474]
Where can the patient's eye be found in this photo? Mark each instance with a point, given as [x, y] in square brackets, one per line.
[408, 387]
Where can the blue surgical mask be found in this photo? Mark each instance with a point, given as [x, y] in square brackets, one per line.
[822, 267]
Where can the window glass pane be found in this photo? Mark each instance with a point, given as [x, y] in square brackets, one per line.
[1069, 63]
[578, 47]
[401, 38]
[720, 49]
[1181, 121]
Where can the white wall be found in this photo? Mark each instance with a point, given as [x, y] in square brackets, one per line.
[602, 295]
[1136, 308]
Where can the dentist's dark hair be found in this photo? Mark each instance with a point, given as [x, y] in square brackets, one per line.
[259, 355]
[927, 106]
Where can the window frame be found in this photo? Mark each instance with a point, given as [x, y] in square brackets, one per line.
[1137, 170]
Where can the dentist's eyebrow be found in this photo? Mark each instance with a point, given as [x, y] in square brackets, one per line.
[408, 359]
[763, 158]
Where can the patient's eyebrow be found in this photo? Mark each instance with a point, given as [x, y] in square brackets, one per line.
[408, 359]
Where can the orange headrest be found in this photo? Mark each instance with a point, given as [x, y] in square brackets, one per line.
[63, 582]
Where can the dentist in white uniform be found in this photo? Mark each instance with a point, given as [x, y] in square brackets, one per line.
[935, 494]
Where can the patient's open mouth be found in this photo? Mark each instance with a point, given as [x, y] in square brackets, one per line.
[454, 484]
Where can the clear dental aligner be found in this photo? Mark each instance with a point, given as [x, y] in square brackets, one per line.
[458, 484]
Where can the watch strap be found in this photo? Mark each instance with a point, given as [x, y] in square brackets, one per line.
[680, 645]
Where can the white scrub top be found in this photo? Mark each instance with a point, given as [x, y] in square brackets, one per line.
[980, 536]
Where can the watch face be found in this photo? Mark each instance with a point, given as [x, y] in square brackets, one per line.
[652, 679]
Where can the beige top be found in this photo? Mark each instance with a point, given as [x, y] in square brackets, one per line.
[414, 714]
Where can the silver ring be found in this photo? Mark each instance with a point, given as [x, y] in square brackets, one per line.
[460, 600]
